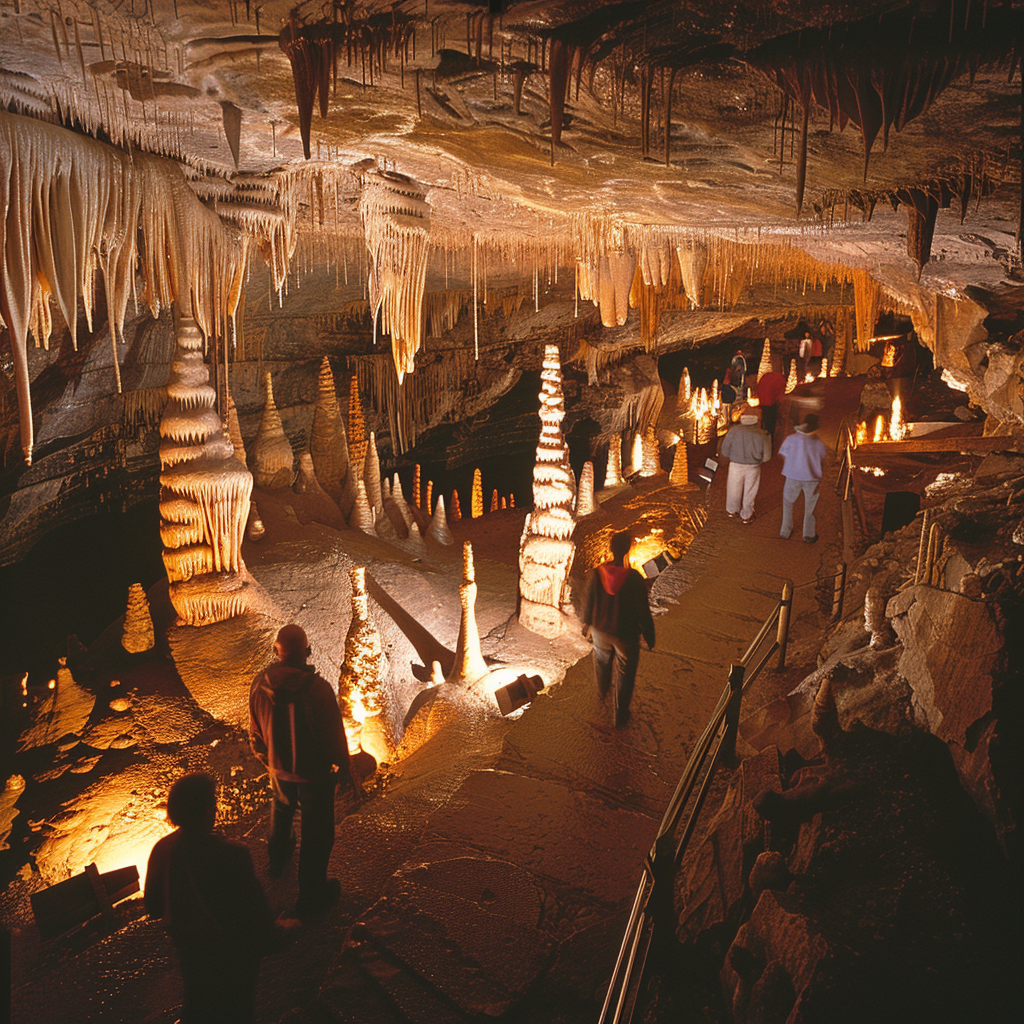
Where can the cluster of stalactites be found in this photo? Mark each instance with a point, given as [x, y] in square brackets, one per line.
[70, 205]
[546, 550]
[607, 283]
[396, 222]
[204, 497]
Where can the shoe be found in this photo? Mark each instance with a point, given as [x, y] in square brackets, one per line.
[747, 522]
[732, 515]
[811, 540]
[785, 536]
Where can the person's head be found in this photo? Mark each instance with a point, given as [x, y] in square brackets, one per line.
[810, 424]
[739, 352]
[291, 644]
[192, 803]
[621, 543]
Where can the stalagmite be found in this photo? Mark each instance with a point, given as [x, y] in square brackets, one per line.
[477, 500]
[272, 456]
[416, 484]
[137, 635]
[371, 476]
[395, 510]
[585, 500]
[469, 666]
[613, 472]
[362, 515]
[205, 494]
[438, 528]
[362, 689]
[791, 381]
[680, 475]
[683, 396]
[651, 456]
[456, 513]
[328, 443]
[428, 500]
[765, 366]
[254, 529]
[546, 550]
[356, 427]
[316, 504]
[235, 431]
[636, 455]
[495, 505]
[396, 223]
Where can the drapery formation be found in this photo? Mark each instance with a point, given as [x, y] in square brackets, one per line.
[70, 206]
[396, 222]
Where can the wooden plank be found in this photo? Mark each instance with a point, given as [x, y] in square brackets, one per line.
[871, 449]
[74, 901]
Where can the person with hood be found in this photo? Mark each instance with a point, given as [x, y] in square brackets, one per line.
[803, 464]
[747, 447]
[296, 731]
[615, 614]
[212, 905]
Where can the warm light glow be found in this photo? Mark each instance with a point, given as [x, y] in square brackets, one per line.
[824, 368]
[672, 439]
[897, 428]
[889, 355]
[808, 377]
[879, 430]
[950, 381]
[752, 400]
[638, 453]
[873, 470]
[862, 434]
[645, 548]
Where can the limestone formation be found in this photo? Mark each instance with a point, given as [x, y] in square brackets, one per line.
[477, 504]
[651, 456]
[429, 499]
[362, 515]
[137, 635]
[546, 550]
[765, 366]
[401, 506]
[680, 475]
[371, 476]
[328, 444]
[438, 528]
[495, 504]
[205, 494]
[273, 462]
[636, 455]
[254, 529]
[234, 431]
[791, 381]
[613, 472]
[685, 389]
[416, 485]
[356, 427]
[314, 504]
[469, 666]
[586, 502]
[456, 513]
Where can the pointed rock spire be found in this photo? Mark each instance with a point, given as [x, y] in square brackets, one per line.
[477, 506]
[438, 528]
[791, 380]
[650, 461]
[765, 366]
[362, 515]
[683, 397]
[456, 513]
[137, 635]
[371, 476]
[494, 501]
[613, 473]
[469, 666]
[272, 455]
[313, 503]
[234, 431]
[356, 425]
[585, 500]
[680, 475]
[328, 444]
[416, 483]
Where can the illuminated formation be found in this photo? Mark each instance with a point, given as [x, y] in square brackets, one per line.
[137, 635]
[438, 528]
[651, 457]
[362, 694]
[791, 381]
[328, 444]
[416, 486]
[495, 504]
[477, 505]
[765, 366]
[204, 497]
[685, 391]
[585, 500]
[273, 462]
[398, 500]
[680, 475]
[362, 515]
[469, 666]
[396, 222]
[546, 550]
[613, 471]
[371, 476]
[636, 455]
[456, 513]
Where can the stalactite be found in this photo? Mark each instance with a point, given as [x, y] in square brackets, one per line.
[273, 461]
[137, 635]
[922, 209]
[558, 77]
[469, 666]
[396, 221]
[328, 444]
[546, 550]
[680, 475]
[613, 472]
[477, 500]
[438, 528]
[586, 502]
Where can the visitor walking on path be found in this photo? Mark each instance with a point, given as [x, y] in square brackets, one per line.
[296, 731]
[615, 614]
[747, 447]
[803, 461]
[736, 375]
[217, 915]
[770, 389]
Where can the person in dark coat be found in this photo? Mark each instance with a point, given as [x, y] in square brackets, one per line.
[205, 889]
[615, 614]
[296, 731]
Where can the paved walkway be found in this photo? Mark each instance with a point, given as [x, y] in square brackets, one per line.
[516, 898]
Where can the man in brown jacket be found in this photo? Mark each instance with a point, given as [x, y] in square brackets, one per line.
[296, 731]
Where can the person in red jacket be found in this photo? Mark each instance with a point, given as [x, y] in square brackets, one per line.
[615, 614]
[770, 389]
[296, 731]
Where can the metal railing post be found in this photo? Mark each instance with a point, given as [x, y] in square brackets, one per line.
[732, 712]
[785, 607]
[839, 593]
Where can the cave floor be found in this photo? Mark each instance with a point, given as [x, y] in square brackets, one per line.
[491, 873]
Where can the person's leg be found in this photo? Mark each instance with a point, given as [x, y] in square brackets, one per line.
[282, 811]
[316, 801]
[603, 656]
[627, 657]
[734, 489]
[811, 489]
[751, 483]
[789, 495]
[769, 415]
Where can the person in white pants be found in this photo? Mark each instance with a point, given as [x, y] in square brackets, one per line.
[747, 447]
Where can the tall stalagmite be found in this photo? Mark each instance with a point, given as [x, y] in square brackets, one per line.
[685, 392]
[546, 550]
[585, 500]
[791, 380]
[273, 461]
[765, 366]
[362, 514]
[469, 666]
[476, 507]
[613, 471]
[438, 528]
[680, 474]
[137, 635]
[371, 475]
[328, 443]
[650, 462]
[204, 497]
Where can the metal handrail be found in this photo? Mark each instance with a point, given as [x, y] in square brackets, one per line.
[718, 740]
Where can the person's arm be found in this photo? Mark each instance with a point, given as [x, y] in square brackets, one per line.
[328, 722]
[257, 742]
[155, 874]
